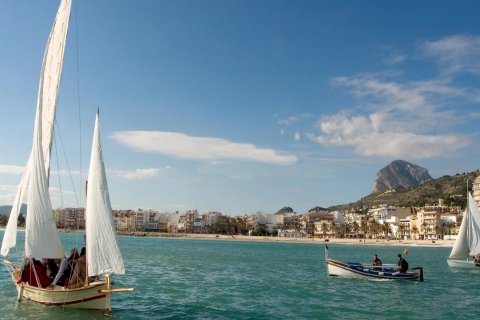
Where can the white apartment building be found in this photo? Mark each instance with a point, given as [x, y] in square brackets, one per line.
[476, 190]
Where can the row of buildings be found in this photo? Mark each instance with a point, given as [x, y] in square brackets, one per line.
[429, 222]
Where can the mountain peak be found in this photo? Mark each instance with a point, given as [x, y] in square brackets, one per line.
[400, 174]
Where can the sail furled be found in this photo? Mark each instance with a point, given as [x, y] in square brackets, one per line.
[50, 76]
[468, 238]
[41, 235]
[103, 253]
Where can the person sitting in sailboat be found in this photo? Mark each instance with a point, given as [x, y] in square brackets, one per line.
[80, 271]
[34, 274]
[66, 267]
[51, 268]
[476, 258]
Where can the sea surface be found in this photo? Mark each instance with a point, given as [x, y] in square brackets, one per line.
[177, 278]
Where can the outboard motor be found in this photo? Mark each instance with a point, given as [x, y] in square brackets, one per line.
[420, 273]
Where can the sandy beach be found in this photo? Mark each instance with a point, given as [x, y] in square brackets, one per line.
[375, 242]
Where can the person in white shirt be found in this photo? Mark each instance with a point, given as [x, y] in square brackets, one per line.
[65, 269]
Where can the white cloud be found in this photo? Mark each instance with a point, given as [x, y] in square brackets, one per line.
[7, 193]
[410, 119]
[64, 172]
[456, 53]
[292, 119]
[391, 56]
[8, 169]
[137, 174]
[394, 96]
[296, 136]
[362, 134]
[182, 146]
[394, 59]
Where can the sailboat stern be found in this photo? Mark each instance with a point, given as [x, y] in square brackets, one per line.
[462, 264]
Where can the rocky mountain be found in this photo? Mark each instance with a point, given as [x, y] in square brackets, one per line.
[451, 189]
[400, 174]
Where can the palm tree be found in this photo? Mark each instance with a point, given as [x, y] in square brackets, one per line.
[386, 228]
[401, 230]
[424, 229]
[347, 227]
[296, 226]
[438, 231]
[414, 230]
[334, 229]
[356, 227]
[374, 227]
[364, 227]
[447, 226]
[324, 228]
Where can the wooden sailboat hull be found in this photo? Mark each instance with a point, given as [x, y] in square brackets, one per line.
[93, 296]
[463, 264]
[358, 271]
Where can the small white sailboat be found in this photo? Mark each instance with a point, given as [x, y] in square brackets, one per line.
[42, 240]
[467, 245]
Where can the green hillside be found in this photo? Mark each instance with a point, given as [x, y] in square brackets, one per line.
[452, 189]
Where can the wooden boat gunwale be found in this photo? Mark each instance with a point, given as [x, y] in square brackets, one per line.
[355, 270]
[96, 292]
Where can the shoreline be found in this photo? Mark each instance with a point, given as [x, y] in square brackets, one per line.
[373, 242]
[319, 241]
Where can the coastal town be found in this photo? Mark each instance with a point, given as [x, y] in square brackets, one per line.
[240, 159]
[430, 222]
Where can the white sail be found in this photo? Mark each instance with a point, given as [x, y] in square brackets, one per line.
[468, 238]
[103, 254]
[41, 235]
[474, 232]
[51, 74]
[460, 248]
[46, 105]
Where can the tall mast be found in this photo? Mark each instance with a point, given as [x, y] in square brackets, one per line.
[467, 216]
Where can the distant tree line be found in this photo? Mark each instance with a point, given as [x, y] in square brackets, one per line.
[4, 220]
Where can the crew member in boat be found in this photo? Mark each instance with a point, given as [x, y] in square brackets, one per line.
[34, 274]
[402, 264]
[376, 262]
[80, 271]
[476, 258]
[66, 267]
[51, 268]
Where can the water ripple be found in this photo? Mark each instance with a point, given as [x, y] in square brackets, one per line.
[215, 279]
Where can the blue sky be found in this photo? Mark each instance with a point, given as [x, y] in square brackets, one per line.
[245, 106]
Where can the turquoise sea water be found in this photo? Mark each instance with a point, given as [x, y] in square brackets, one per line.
[216, 279]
